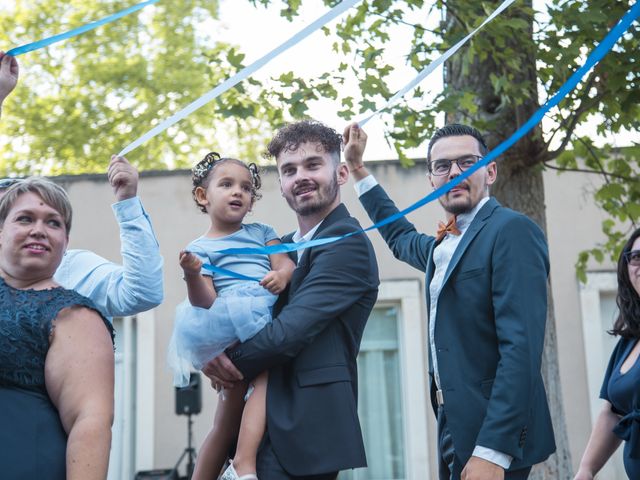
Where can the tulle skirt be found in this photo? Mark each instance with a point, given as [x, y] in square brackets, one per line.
[201, 334]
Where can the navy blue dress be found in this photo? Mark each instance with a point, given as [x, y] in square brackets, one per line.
[623, 392]
[32, 439]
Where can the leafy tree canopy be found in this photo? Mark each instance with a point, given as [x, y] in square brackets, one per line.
[82, 100]
[564, 33]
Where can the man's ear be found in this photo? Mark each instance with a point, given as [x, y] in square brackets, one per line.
[492, 173]
[342, 173]
[201, 196]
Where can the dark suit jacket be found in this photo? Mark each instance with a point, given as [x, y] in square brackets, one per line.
[310, 351]
[489, 331]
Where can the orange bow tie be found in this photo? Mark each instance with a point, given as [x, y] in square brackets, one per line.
[449, 227]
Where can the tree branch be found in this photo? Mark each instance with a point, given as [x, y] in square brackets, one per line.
[585, 170]
[408, 24]
[571, 122]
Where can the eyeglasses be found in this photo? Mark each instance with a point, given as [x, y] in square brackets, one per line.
[632, 257]
[7, 182]
[442, 166]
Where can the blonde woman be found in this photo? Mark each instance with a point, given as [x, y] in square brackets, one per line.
[56, 351]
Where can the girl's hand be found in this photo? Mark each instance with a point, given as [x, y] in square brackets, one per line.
[274, 281]
[191, 265]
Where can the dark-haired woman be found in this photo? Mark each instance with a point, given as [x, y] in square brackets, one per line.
[619, 419]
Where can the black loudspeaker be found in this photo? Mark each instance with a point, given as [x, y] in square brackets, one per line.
[189, 398]
[166, 474]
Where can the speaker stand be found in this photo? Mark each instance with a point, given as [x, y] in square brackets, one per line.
[188, 452]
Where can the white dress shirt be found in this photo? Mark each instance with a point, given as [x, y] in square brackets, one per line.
[297, 238]
[119, 290]
[442, 255]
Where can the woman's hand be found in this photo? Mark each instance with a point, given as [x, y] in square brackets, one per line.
[9, 72]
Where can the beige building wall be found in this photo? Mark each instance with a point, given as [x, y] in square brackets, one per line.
[160, 435]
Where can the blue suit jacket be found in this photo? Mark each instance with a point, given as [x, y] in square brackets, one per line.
[489, 331]
[310, 351]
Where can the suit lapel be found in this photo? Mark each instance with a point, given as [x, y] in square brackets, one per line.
[431, 268]
[477, 224]
[336, 214]
[288, 238]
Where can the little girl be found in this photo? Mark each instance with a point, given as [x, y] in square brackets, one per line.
[222, 310]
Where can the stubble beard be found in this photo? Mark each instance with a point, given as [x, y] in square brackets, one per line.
[326, 196]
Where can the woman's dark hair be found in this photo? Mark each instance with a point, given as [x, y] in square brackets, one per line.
[201, 175]
[627, 324]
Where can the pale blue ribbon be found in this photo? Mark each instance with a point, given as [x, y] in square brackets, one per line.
[29, 47]
[241, 75]
[435, 64]
[596, 55]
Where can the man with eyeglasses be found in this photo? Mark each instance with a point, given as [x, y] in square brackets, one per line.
[486, 278]
[9, 72]
[137, 284]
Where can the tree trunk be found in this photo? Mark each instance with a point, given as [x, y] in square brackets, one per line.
[519, 184]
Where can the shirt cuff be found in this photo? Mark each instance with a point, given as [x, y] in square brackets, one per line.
[364, 185]
[501, 459]
[128, 209]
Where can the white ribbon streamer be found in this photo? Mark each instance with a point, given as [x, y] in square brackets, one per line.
[435, 64]
[241, 75]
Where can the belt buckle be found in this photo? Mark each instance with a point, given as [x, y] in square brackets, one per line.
[439, 398]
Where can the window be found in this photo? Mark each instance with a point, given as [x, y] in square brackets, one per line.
[133, 429]
[392, 384]
[380, 402]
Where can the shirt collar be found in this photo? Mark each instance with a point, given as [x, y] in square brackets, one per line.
[297, 238]
[464, 219]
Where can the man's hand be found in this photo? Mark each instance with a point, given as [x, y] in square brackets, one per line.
[9, 72]
[479, 469]
[191, 264]
[274, 281]
[123, 177]
[222, 372]
[355, 140]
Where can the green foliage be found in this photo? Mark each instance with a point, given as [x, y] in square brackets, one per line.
[80, 101]
[517, 71]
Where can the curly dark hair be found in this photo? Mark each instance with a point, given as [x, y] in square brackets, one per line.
[201, 175]
[627, 324]
[289, 138]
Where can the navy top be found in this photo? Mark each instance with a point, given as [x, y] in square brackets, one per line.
[32, 439]
[622, 390]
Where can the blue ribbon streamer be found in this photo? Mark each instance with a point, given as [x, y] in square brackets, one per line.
[29, 47]
[596, 55]
[228, 273]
